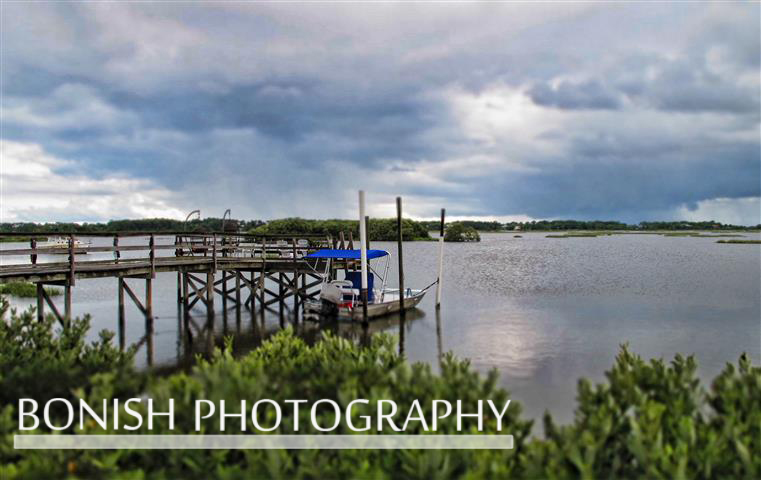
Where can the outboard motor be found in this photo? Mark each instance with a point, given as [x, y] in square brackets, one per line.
[331, 296]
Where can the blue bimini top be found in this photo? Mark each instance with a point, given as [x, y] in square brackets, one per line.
[347, 254]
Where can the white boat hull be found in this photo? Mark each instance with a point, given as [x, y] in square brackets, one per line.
[388, 306]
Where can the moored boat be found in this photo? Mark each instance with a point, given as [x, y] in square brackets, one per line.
[340, 298]
[60, 246]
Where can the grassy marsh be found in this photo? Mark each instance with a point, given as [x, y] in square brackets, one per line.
[25, 290]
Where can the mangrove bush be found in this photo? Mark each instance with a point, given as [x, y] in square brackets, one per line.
[646, 420]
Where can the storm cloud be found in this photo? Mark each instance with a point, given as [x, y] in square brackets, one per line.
[628, 112]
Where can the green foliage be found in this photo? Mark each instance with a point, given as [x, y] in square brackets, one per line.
[126, 226]
[459, 232]
[481, 226]
[378, 229]
[747, 242]
[25, 289]
[646, 420]
[38, 362]
[576, 235]
[547, 225]
[652, 420]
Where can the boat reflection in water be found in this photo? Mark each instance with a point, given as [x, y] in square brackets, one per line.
[202, 336]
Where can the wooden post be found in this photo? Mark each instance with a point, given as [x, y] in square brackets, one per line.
[399, 253]
[252, 293]
[224, 289]
[149, 299]
[237, 291]
[439, 348]
[185, 288]
[210, 295]
[149, 344]
[363, 253]
[179, 288]
[295, 282]
[214, 254]
[33, 257]
[351, 240]
[40, 303]
[121, 314]
[71, 259]
[281, 293]
[67, 301]
[441, 260]
[341, 238]
[237, 301]
[117, 254]
[152, 245]
[262, 299]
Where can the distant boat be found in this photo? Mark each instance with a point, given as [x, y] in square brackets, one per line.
[341, 298]
[60, 246]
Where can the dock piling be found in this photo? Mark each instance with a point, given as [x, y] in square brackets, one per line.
[364, 243]
[40, 302]
[441, 260]
[399, 253]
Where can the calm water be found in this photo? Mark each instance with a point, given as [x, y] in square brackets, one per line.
[543, 311]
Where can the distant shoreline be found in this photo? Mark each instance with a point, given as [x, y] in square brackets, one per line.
[379, 228]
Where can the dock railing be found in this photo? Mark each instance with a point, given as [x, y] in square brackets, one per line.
[152, 248]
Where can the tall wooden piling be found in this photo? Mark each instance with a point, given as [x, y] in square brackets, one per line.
[441, 259]
[72, 260]
[363, 253]
[399, 253]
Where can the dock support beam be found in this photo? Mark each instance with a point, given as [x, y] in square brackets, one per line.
[145, 307]
[122, 324]
[210, 295]
[40, 303]
[43, 298]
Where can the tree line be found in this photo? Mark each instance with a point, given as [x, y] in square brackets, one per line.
[378, 228]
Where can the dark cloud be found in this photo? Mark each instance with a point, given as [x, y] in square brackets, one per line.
[582, 95]
[636, 111]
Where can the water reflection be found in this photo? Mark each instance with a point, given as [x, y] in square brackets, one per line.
[201, 334]
[544, 311]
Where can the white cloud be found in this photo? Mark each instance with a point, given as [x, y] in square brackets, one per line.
[736, 211]
[31, 188]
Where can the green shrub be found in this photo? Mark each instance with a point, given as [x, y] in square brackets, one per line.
[647, 420]
[458, 232]
[378, 229]
[38, 362]
[652, 420]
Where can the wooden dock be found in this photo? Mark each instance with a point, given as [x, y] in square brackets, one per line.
[241, 270]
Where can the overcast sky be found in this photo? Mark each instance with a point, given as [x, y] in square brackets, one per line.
[507, 111]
